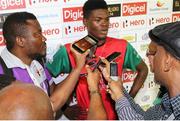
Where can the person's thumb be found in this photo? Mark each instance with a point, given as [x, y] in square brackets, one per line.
[88, 68]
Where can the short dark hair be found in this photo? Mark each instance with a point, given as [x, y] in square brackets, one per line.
[91, 5]
[15, 25]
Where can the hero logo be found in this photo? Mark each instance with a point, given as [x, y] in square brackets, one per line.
[31, 2]
[12, 4]
[75, 29]
[1, 39]
[159, 20]
[176, 17]
[133, 23]
[138, 8]
[53, 31]
[72, 14]
[114, 25]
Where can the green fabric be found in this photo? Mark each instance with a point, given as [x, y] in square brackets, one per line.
[132, 58]
[157, 101]
[60, 63]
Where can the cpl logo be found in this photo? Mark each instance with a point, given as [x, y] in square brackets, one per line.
[159, 3]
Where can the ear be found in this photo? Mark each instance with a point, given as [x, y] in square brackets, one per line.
[85, 22]
[168, 63]
[20, 41]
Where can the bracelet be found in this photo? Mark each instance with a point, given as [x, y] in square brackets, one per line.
[94, 92]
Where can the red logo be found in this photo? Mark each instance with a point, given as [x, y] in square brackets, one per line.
[66, 1]
[1, 39]
[114, 25]
[138, 8]
[159, 3]
[129, 76]
[53, 31]
[12, 4]
[72, 14]
[176, 17]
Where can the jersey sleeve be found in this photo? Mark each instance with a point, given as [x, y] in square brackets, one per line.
[60, 63]
[132, 58]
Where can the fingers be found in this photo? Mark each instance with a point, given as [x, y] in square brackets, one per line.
[87, 52]
[108, 89]
[104, 61]
[88, 69]
[71, 48]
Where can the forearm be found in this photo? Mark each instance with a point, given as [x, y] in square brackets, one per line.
[139, 80]
[64, 89]
[96, 109]
[125, 111]
[137, 84]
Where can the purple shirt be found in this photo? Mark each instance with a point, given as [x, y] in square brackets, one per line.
[23, 76]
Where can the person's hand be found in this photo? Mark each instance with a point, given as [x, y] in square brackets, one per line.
[79, 58]
[105, 69]
[93, 79]
[115, 88]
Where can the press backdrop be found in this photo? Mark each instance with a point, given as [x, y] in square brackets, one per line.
[61, 21]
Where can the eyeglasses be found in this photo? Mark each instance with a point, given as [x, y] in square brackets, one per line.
[150, 52]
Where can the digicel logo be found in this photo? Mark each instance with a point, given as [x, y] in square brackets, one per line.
[72, 14]
[12, 4]
[176, 17]
[138, 8]
[1, 39]
[128, 76]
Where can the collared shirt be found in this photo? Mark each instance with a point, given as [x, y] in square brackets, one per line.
[169, 109]
[35, 73]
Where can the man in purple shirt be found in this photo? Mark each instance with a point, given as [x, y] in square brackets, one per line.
[24, 44]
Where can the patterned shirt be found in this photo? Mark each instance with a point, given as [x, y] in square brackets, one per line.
[169, 109]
